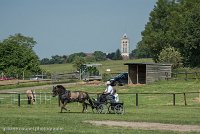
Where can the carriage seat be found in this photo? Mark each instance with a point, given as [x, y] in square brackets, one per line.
[106, 98]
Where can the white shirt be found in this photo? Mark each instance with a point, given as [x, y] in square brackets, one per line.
[116, 97]
[109, 89]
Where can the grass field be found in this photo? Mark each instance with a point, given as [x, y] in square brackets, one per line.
[116, 66]
[45, 118]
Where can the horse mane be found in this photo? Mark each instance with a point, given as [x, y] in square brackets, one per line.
[61, 87]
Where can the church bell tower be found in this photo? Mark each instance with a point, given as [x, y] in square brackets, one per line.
[125, 46]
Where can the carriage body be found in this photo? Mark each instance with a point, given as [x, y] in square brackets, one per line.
[108, 106]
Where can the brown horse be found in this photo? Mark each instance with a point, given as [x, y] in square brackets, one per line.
[66, 96]
[30, 96]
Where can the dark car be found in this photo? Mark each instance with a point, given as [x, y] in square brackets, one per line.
[120, 79]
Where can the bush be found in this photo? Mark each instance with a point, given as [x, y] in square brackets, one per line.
[170, 55]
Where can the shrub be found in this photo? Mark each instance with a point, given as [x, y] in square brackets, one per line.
[170, 55]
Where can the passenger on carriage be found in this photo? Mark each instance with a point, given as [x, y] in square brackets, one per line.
[115, 96]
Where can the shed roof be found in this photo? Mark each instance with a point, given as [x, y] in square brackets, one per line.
[135, 63]
[94, 64]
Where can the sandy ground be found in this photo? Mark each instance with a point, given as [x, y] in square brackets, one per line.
[148, 126]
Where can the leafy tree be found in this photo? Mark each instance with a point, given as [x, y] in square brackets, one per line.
[170, 55]
[173, 24]
[57, 59]
[110, 55]
[72, 56]
[78, 61]
[90, 59]
[155, 34]
[132, 55]
[99, 56]
[45, 61]
[142, 51]
[17, 56]
[118, 55]
[21, 40]
[64, 58]
[190, 33]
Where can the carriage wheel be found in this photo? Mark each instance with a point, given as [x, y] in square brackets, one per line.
[119, 109]
[111, 109]
[102, 109]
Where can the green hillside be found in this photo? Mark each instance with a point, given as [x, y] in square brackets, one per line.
[115, 66]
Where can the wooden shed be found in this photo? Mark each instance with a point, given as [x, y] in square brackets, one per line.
[144, 73]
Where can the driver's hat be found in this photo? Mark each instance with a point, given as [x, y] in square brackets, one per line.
[108, 82]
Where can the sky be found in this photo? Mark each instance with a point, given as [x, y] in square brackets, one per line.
[64, 27]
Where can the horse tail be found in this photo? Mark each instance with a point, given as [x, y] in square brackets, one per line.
[90, 101]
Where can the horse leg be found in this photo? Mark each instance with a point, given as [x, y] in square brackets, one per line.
[63, 107]
[84, 107]
[83, 104]
[29, 100]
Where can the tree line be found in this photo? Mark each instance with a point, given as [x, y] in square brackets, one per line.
[87, 57]
[18, 59]
[172, 33]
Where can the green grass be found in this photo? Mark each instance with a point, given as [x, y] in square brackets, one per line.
[116, 66]
[152, 108]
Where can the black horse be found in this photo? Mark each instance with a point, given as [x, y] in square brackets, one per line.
[67, 96]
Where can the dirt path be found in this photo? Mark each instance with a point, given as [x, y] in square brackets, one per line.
[33, 88]
[93, 83]
[149, 126]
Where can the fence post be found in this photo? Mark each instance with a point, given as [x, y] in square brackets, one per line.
[166, 76]
[185, 99]
[137, 99]
[186, 75]
[19, 100]
[196, 75]
[174, 99]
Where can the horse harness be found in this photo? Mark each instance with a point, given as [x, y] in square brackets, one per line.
[67, 97]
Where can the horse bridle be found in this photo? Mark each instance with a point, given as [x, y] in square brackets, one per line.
[55, 91]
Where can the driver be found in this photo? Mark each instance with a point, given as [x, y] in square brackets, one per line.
[107, 94]
[109, 88]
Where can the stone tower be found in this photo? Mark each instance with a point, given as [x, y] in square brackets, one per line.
[125, 47]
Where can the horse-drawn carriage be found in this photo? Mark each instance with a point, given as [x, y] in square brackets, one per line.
[103, 104]
[107, 105]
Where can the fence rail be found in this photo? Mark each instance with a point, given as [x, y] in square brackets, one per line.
[136, 94]
[186, 75]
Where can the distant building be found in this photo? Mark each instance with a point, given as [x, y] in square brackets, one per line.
[125, 46]
[145, 73]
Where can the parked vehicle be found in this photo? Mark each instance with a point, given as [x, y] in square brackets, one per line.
[120, 79]
[5, 78]
[38, 77]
